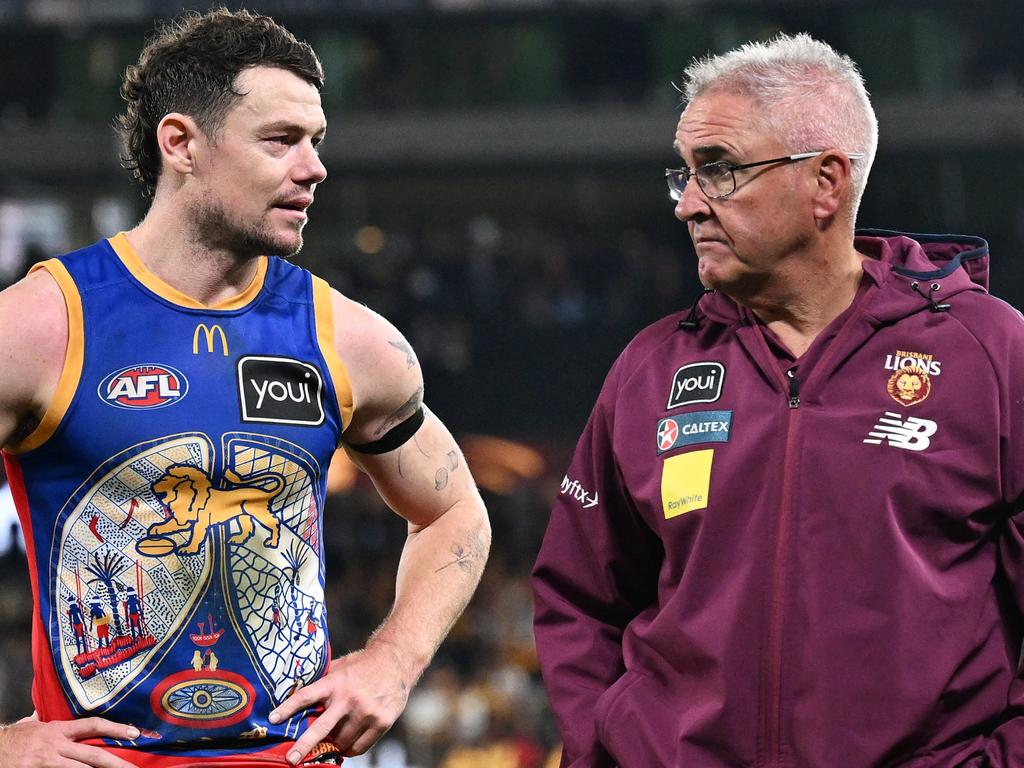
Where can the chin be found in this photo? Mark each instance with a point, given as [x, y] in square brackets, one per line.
[285, 243]
[711, 279]
[246, 238]
[288, 241]
[286, 247]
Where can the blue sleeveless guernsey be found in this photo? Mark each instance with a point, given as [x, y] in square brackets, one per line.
[171, 499]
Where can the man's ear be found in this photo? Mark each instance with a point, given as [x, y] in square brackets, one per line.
[834, 179]
[176, 137]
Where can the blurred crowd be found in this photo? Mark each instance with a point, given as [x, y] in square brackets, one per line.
[516, 325]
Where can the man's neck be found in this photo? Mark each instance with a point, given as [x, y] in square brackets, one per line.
[171, 251]
[805, 303]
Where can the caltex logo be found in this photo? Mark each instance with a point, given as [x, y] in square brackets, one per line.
[668, 431]
[143, 387]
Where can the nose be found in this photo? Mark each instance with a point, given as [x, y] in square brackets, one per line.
[693, 203]
[310, 169]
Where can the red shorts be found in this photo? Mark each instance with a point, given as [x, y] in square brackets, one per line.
[324, 753]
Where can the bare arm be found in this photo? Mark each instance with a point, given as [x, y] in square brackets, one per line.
[426, 481]
[33, 342]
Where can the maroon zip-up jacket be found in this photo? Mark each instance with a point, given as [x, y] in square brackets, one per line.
[762, 561]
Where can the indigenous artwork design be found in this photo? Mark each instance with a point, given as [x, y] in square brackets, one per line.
[177, 545]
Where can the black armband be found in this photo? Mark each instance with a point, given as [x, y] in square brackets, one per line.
[395, 437]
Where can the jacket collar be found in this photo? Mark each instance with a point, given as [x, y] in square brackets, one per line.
[905, 266]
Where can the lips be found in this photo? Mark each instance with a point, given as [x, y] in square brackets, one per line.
[298, 203]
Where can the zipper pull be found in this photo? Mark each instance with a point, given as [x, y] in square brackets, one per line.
[794, 388]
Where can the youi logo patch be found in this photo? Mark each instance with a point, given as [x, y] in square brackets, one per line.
[143, 387]
[696, 383]
[280, 390]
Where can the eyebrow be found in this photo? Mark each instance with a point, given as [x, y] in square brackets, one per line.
[287, 126]
[705, 153]
[711, 152]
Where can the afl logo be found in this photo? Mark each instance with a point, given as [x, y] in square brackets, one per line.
[143, 387]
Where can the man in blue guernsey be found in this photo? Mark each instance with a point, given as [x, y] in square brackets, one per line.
[170, 399]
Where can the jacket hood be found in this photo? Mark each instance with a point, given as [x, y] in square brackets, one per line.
[915, 272]
[928, 257]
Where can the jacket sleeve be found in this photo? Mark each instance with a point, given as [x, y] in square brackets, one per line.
[1005, 747]
[597, 569]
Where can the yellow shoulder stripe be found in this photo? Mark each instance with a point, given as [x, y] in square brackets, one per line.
[324, 312]
[72, 371]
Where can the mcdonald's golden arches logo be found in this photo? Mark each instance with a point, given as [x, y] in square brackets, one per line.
[209, 332]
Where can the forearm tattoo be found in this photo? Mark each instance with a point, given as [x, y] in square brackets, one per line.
[465, 557]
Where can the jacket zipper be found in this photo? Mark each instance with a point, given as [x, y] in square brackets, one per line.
[794, 388]
[773, 705]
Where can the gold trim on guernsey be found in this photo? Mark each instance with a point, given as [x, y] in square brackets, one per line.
[72, 371]
[131, 260]
[324, 311]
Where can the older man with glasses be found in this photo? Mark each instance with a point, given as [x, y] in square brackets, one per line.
[793, 531]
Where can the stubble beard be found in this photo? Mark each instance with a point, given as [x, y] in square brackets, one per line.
[246, 239]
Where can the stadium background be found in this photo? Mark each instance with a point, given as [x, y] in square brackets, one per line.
[495, 189]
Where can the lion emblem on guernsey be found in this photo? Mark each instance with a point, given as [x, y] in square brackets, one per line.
[195, 507]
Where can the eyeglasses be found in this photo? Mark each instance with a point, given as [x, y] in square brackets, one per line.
[718, 180]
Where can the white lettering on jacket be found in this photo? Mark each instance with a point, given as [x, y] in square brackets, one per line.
[573, 489]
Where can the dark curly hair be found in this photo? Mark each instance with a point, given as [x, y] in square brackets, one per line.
[189, 66]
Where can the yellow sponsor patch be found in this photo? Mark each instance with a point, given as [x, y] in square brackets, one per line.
[684, 482]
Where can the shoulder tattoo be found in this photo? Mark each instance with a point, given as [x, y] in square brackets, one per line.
[404, 348]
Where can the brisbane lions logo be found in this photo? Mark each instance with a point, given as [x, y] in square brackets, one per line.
[195, 507]
[909, 385]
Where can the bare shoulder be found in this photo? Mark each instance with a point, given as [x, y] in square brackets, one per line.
[34, 319]
[386, 380]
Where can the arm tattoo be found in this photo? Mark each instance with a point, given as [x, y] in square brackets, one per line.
[407, 409]
[410, 356]
[441, 476]
[464, 557]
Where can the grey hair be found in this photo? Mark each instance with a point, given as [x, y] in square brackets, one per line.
[808, 94]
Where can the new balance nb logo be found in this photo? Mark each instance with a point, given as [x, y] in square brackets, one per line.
[914, 434]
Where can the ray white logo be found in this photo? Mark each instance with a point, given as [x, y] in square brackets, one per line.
[696, 383]
[143, 387]
[280, 390]
[575, 490]
[914, 434]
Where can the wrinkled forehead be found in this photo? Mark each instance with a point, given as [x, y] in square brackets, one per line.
[721, 124]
